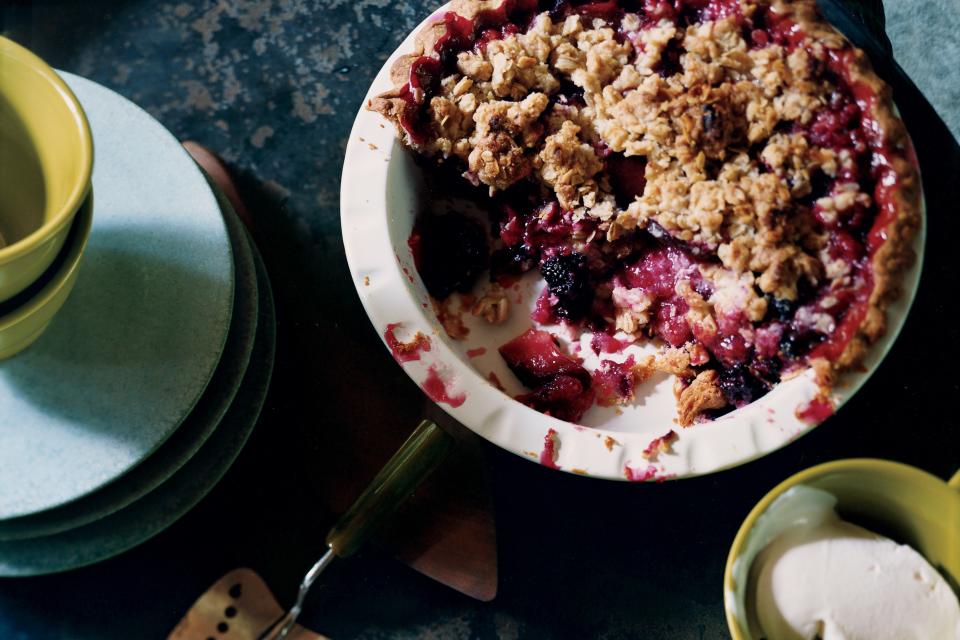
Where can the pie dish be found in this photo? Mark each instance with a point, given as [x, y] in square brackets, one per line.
[388, 189]
[726, 180]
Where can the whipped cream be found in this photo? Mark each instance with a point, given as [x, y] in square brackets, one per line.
[823, 577]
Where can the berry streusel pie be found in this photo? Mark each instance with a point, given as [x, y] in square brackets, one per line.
[725, 177]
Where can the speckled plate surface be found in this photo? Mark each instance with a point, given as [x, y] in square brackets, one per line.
[194, 431]
[381, 192]
[163, 506]
[132, 350]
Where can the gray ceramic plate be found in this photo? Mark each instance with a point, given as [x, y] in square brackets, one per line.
[194, 431]
[159, 509]
[131, 352]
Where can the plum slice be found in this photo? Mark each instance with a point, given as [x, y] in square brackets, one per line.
[563, 397]
[561, 387]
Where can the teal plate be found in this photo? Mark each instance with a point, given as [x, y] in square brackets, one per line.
[129, 355]
[160, 508]
[194, 431]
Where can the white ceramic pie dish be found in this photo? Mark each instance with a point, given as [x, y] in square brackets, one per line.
[381, 193]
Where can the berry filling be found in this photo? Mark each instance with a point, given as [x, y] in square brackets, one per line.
[614, 382]
[655, 277]
[602, 342]
[627, 176]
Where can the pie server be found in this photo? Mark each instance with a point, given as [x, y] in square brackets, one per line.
[239, 606]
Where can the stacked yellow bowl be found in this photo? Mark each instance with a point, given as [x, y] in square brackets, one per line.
[46, 204]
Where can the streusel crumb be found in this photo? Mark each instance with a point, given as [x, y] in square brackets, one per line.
[494, 307]
[702, 394]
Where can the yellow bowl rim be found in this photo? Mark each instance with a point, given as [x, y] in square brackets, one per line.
[70, 264]
[890, 466]
[11, 49]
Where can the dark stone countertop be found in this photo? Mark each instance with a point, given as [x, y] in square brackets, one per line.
[273, 85]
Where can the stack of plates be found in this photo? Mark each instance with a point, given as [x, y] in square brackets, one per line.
[143, 390]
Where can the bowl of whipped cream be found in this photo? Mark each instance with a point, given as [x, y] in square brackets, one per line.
[849, 549]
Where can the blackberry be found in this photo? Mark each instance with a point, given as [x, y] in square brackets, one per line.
[453, 253]
[569, 94]
[806, 291]
[767, 369]
[556, 8]
[711, 124]
[795, 344]
[510, 262]
[568, 278]
[739, 386]
[780, 308]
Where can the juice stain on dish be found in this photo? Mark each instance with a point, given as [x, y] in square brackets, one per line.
[405, 351]
[495, 381]
[437, 389]
[663, 444]
[639, 475]
[551, 449]
[815, 411]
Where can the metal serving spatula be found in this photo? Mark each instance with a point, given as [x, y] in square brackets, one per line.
[239, 606]
[447, 530]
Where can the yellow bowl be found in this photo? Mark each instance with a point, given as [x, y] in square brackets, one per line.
[894, 499]
[25, 317]
[46, 159]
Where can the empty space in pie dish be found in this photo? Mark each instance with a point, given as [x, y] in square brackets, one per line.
[384, 190]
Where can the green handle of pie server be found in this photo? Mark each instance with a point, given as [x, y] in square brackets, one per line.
[410, 465]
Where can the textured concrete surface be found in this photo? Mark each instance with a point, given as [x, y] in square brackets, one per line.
[926, 42]
[274, 85]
